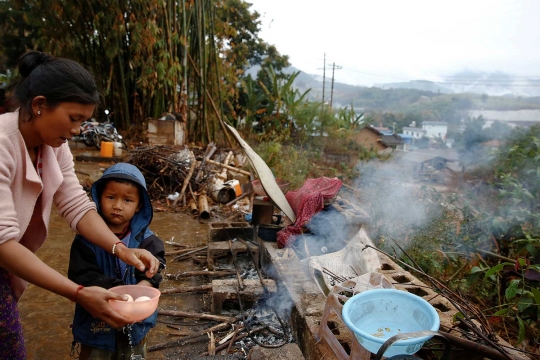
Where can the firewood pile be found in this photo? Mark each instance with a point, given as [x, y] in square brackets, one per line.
[190, 177]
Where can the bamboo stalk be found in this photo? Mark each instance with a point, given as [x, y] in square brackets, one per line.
[187, 289]
[192, 204]
[203, 207]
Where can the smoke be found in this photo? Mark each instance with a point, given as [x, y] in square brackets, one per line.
[397, 194]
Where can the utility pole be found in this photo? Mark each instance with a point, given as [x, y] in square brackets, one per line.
[323, 77]
[334, 67]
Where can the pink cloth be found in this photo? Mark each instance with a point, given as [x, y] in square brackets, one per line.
[306, 202]
[26, 199]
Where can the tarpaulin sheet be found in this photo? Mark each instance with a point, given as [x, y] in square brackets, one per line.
[306, 202]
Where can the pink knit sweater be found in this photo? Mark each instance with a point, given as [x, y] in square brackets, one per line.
[22, 217]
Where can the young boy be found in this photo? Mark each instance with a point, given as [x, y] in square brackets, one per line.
[123, 202]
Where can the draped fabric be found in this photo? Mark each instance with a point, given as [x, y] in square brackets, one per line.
[306, 202]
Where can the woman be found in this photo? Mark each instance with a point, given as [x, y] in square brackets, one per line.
[36, 171]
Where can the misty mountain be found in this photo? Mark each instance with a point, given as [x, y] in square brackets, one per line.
[476, 82]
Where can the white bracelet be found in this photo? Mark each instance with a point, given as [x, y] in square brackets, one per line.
[114, 246]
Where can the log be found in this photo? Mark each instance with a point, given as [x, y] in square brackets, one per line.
[202, 316]
[200, 273]
[232, 168]
[187, 289]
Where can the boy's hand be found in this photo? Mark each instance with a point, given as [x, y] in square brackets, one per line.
[140, 258]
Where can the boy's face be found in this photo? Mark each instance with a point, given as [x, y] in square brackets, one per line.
[119, 202]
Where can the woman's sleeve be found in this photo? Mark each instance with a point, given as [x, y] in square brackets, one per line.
[9, 224]
[70, 199]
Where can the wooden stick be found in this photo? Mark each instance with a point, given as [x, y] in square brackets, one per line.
[183, 340]
[186, 289]
[191, 252]
[199, 273]
[224, 164]
[181, 251]
[212, 344]
[231, 343]
[237, 198]
[186, 180]
[238, 338]
[232, 168]
[192, 315]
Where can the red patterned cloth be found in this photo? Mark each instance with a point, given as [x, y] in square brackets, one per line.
[306, 202]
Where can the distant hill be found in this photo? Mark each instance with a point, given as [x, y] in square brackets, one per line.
[466, 90]
[493, 83]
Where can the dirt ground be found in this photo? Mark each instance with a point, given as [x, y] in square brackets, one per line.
[47, 317]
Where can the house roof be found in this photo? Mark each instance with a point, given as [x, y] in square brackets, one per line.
[390, 140]
[434, 123]
[414, 129]
[448, 154]
[413, 156]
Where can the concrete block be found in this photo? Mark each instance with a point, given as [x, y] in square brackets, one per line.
[226, 290]
[286, 352]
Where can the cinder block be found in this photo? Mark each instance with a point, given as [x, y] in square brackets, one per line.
[219, 248]
[222, 231]
[227, 290]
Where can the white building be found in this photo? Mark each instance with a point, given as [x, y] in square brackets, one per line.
[416, 133]
[435, 129]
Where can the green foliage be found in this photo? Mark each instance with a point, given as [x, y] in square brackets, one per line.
[285, 162]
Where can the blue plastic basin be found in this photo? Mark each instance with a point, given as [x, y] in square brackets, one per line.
[376, 315]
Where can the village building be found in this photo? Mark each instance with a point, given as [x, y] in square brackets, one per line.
[372, 138]
[435, 129]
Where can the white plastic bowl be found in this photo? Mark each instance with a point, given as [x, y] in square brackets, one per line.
[136, 310]
[376, 315]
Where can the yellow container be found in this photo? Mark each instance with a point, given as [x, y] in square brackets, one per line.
[235, 184]
[107, 149]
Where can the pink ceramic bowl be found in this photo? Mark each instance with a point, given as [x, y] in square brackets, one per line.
[136, 310]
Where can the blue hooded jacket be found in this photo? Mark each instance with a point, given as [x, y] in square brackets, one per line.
[92, 266]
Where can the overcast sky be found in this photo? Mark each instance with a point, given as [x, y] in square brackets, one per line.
[381, 41]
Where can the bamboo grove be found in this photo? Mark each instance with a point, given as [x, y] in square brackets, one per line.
[150, 57]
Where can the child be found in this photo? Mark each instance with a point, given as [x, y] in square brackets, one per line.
[123, 202]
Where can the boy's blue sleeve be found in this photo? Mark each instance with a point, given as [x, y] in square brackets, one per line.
[84, 270]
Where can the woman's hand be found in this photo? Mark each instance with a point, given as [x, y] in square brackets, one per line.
[140, 258]
[95, 300]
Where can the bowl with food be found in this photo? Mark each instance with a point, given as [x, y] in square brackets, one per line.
[142, 301]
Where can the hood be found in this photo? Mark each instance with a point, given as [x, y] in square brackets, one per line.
[125, 171]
